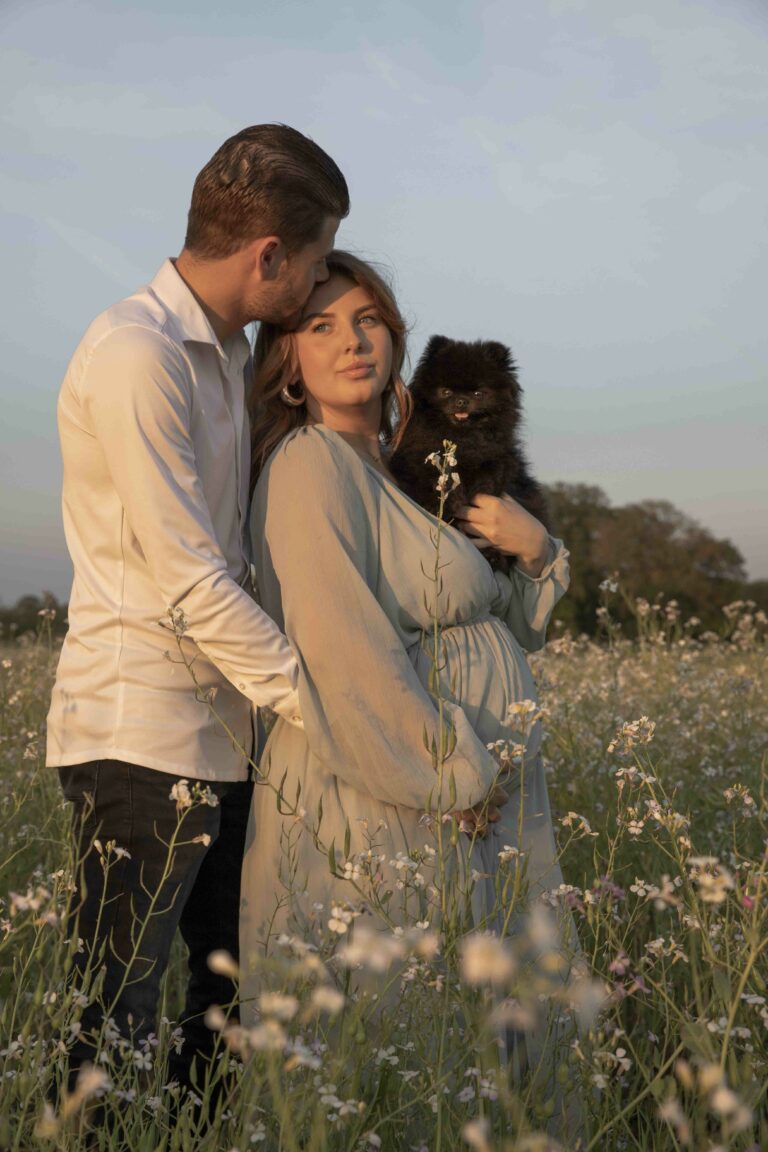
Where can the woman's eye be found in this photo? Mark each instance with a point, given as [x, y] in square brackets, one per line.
[321, 326]
[369, 318]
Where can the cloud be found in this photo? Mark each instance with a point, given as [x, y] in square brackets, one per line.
[95, 250]
[407, 84]
[112, 110]
[722, 197]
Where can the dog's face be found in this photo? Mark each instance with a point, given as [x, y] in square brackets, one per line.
[466, 383]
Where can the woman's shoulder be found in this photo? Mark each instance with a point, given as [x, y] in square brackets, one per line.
[310, 454]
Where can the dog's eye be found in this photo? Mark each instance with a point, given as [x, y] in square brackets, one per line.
[478, 393]
[446, 392]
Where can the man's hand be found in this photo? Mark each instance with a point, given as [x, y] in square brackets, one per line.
[475, 821]
[500, 522]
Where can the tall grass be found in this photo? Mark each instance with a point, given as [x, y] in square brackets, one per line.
[656, 756]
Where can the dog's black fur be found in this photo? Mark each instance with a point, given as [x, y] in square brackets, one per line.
[468, 393]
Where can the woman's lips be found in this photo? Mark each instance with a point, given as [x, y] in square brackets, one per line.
[357, 371]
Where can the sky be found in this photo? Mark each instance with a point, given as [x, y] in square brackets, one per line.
[584, 180]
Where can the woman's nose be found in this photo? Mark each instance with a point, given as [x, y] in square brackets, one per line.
[354, 338]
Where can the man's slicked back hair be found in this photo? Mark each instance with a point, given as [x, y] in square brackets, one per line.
[268, 180]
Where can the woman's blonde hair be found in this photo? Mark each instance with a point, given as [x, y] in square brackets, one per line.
[276, 367]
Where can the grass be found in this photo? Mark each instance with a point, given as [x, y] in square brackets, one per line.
[657, 767]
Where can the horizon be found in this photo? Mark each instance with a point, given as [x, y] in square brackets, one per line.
[62, 597]
[583, 182]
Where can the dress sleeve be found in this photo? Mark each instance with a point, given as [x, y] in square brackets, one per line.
[365, 712]
[136, 395]
[525, 603]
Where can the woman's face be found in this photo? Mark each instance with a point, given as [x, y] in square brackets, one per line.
[344, 350]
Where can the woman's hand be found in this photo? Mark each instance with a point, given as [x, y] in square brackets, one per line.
[474, 821]
[500, 522]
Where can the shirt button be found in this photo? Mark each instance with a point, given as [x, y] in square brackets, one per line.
[241, 687]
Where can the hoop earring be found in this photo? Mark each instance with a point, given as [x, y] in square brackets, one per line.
[288, 397]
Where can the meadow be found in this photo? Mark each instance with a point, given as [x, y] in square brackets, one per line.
[656, 758]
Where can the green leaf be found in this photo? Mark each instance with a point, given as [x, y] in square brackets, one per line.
[723, 987]
[697, 1039]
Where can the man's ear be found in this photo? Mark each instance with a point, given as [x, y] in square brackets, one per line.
[268, 255]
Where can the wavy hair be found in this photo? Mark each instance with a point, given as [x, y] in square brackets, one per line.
[267, 180]
[276, 365]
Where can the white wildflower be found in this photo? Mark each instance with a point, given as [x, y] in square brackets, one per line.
[278, 1005]
[631, 733]
[223, 964]
[485, 959]
[328, 999]
[181, 794]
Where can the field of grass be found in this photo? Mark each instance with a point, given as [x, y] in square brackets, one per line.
[656, 753]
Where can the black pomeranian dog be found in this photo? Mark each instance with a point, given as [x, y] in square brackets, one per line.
[468, 393]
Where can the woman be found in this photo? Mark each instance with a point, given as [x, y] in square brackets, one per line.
[342, 560]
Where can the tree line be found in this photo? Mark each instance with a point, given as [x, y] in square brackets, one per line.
[650, 547]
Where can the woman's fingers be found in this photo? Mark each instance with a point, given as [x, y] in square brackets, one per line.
[474, 821]
[498, 796]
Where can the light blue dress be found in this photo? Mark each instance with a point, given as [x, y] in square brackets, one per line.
[341, 556]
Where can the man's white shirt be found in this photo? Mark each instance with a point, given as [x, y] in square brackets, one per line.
[155, 444]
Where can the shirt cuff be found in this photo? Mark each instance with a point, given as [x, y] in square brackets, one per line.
[288, 708]
[556, 555]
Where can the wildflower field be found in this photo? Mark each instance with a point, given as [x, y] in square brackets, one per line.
[656, 758]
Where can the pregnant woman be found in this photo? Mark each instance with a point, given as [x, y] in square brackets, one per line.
[343, 561]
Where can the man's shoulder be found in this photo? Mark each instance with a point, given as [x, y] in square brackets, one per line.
[135, 334]
[141, 316]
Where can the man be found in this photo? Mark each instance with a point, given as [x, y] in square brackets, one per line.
[155, 443]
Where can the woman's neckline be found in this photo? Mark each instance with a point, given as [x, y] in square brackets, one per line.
[367, 458]
[404, 495]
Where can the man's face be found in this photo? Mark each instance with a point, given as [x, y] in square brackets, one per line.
[298, 275]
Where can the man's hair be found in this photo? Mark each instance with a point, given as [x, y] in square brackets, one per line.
[268, 180]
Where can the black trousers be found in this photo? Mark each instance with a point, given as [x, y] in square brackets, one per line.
[131, 903]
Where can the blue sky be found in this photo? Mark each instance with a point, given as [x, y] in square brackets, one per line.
[584, 181]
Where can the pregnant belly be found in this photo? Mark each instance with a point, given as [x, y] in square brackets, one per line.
[485, 670]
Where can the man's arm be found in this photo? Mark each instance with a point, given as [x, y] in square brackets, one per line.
[137, 395]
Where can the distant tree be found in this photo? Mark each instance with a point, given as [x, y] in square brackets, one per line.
[652, 547]
[578, 514]
[27, 616]
[757, 590]
[657, 549]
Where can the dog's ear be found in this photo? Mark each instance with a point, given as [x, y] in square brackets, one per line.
[436, 344]
[498, 353]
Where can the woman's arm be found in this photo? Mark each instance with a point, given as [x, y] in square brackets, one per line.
[525, 603]
[500, 522]
[366, 715]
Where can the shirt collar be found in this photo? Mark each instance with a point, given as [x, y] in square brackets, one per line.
[193, 323]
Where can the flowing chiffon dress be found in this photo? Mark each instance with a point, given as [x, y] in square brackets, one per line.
[343, 561]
